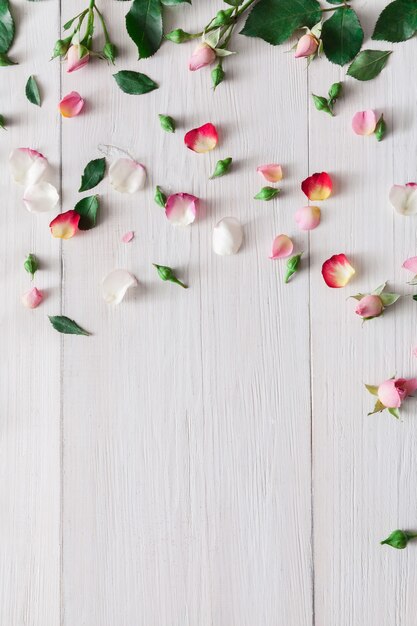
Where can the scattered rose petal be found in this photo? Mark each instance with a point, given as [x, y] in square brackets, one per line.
[127, 176]
[202, 56]
[307, 46]
[364, 122]
[308, 217]
[227, 236]
[71, 105]
[411, 264]
[282, 247]
[202, 139]
[404, 198]
[40, 197]
[32, 298]
[77, 57]
[27, 166]
[271, 172]
[65, 225]
[115, 285]
[128, 236]
[337, 271]
[181, 209]
[392, 392]
[318, 186]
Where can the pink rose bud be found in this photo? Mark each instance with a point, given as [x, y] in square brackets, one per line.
[76, 59]
[32, 298]
[202, 56]
[392, 392]
[369, 306]
[307, 46]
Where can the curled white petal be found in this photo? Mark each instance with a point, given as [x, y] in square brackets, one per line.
[227, 236]
[40, 197]
[115, 285]
[127, 176]
[27, 166]
[404, 198]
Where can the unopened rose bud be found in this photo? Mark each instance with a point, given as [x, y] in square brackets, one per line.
[335, 91]
[292, 266]
[159, 197]
[321, 104]
[77, 56]
[32, 298]
[61, 47]
[380, 129]
[398, 539]
[306, 47]
[202, 56]
[31, 265]
[166, 273]
[167, 123]
[110, 52]
[179, 36]
[222, 17]
[217, 75]
[222, 167]
[369, 307]
[267, 193]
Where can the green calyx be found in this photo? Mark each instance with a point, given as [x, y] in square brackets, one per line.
[217, 75]
[167, 273]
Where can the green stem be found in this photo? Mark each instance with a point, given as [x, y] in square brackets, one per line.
[233, 19]
[341, 6]
[178, 282]
[103, 23]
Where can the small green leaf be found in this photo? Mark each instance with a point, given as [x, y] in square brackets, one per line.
[267, 193]
[6, 29]
[275, 21]
[373, 389]
[222, 167]
[32, 91]
[144, 26]
[31, 265]
[65, 325]
[167, 123]
[395, 413]
[87, 208]
[342, 36]
[2, 122]
[159, 197]
[167, 273]
[368, 64]
[378, 408]
[134, 83]
[389, 298]
[397, 22]
[93, 174]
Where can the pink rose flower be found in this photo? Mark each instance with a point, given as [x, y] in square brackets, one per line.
[306, 47]
[202, 56]
[392, 392]
[369, 306]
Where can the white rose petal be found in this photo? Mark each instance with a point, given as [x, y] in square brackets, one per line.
[115, 285]
[127, 176]
[404, 198]
[227, 236]
[27, 166]
[40, 197]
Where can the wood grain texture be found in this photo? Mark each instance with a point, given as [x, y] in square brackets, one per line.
[205, 456]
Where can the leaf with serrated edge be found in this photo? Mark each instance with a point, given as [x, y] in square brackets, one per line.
[93, 174]
[65, 325]
[6, 27]
[397, 22]
[134, 83]
[144, 26]
[368, 64]
[342, 36]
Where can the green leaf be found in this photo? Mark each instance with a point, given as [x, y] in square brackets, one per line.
[373, 389]
[395, 413]
[87, 208]
[378, 408]
[368, 64]
[342, 36]
[234, 3]
[144, 26]
[63, 324]
[397, 22]
[275, 21]
[6, 27]
[389, 298]
[267, 193]
[174, 3]
[32, 91]
[93, 174]
[2, 122]
[334, 1]
[159, 197]
[134, 83]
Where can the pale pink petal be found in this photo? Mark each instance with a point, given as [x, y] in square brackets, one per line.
[181, 209]
[282, 247]
[40, 197]
[411, 264]
[202, 139]
[337, 271]
[203, 55]
[389, 395]
[32, 298]
[307, 45]
[128, 236]
[27, 166]
[404, 198]
[127, 176]
[271, 172]
[227, 236]
[364, 122]
[308, 217]
[115, 285]
[71, 105]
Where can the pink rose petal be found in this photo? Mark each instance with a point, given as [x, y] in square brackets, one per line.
[282, 247]
[272, 172]
[71, 105]
[364, 122]
[202, 139]
[308, 217]
[128, 236]
[181, 209]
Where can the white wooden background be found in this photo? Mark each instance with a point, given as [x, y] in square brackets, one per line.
[205, 459]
